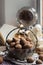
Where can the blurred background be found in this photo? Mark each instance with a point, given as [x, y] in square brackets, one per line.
[9, 8]
[42, 11]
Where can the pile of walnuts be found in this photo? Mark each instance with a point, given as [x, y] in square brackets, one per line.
[21, 41]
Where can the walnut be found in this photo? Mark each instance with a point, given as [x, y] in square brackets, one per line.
[38, 61]
[18, 46]
[30, 60]
[1, 59]
[41, 57]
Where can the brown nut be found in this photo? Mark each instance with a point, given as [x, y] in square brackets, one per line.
[38, 49]
[28, 39]
[15, 39]
[41, 57]
[12, 44]
[28, 45]
[22, 41]
[18, 46]
[9, 41]
[1, 59]
[40, 53]
[38, 61]
[31, 43]
[30, 60]
[17, 35]
[18, 42]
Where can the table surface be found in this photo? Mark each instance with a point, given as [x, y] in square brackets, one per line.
[6, 63]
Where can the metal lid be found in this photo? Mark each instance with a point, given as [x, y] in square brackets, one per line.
[27, 16]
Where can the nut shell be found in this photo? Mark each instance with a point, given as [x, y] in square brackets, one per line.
[38, 49]
[28, 39]
[9, 41]
[18, 42]
[38, 61]
[41, 57]
[28, 45]
[15, 39]
[18, 46]
[1, 59]
[30, 60]
[22, 41]
[12, 44]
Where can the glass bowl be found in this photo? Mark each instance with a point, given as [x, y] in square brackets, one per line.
[20, 54]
